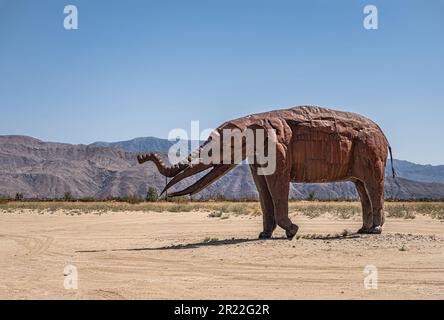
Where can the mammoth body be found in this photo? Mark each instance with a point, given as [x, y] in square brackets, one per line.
[313, 144]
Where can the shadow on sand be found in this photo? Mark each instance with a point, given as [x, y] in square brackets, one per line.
[193, 245]
[215, 243]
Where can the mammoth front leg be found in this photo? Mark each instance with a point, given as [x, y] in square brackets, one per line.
[279, 186]
[267, 206]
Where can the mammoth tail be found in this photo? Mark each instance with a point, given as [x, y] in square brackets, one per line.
[391, 162]
[390, 152]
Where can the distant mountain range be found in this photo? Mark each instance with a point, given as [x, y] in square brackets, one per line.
[147, 144]
[40, 169]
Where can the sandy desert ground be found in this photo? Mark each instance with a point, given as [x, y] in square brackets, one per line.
[191, 255]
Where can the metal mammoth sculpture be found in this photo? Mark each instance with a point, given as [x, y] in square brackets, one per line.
[312, 144]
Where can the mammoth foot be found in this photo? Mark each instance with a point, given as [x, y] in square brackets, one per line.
[377, 230]
[372, 230]
[292, 232]
[265, 235]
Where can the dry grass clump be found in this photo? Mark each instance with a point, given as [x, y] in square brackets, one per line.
[408, 210]
[217, 208]
[316, 236]
[311, 209]
[399, 211]
[215, 214]
[237, 208]
[403, 248]
[210, 239]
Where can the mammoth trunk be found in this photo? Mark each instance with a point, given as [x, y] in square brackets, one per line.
[168, 171]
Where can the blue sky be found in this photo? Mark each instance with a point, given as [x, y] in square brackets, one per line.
[142, 68]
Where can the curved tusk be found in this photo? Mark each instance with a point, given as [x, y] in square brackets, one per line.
[185, 174]
[218, 171]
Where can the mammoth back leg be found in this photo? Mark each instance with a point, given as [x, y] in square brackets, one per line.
[367, 214]
[376, 193]
[374, 182]
[267, 206]
[369, 167]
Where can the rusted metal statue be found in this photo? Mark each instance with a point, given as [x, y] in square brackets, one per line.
[313, 144]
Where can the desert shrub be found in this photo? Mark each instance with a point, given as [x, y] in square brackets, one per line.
[133, 199]
[87, 199]
[152, 195]
[67, 196]
[19, 196]
[311, 196]
[215, 214]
